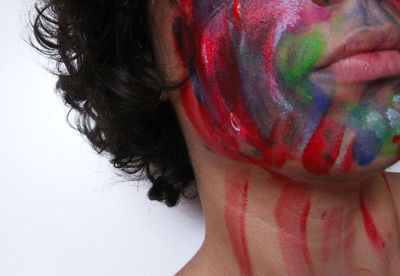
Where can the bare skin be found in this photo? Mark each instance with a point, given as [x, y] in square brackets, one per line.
[266, 220]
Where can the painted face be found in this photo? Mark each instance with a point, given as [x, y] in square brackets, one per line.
[294, 83]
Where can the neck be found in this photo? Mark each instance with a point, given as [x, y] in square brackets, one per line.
[262, 223]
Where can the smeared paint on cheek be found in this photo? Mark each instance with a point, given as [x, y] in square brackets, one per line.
[374, 134]
[252, 99]
[295, 68]
[324, 147]
[236, 9]
[396, 3]
[315, 14]
[242, 113]
[347, 161]
[291, 214]
[235, 216]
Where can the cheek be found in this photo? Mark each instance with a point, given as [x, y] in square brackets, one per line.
[396, 3]
[250, 98]
[312, 13]
[234, 89]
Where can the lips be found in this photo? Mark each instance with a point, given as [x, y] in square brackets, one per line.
[366, 67]
[365, 56]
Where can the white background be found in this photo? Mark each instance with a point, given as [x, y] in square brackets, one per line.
[62, 209]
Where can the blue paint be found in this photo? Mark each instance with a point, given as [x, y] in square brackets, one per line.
[366, 146]
[319, 107]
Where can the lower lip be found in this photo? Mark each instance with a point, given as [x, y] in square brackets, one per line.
[366, 67]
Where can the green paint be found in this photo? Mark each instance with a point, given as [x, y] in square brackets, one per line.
[243, 48]
[394, 98]
[303, 89]
[297, 55]
[394, 119]
[366, 117]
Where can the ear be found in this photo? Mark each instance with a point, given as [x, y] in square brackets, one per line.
[162, 18]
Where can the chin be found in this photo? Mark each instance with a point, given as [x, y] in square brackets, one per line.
[296, 171]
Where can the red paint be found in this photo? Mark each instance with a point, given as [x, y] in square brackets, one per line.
[370, 226]
[269, 56]
[235, 215]
[312, 14]
[323, 148]
[332, 229]
[236, 9]
[278, 152]
[303, 230]
[396, 139]
[383, 174]
[192, 109]
[347, 161]
[396, 3]
[227, 125]
[291, 213]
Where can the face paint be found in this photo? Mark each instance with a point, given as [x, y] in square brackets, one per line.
[396, 3]
[256, 96]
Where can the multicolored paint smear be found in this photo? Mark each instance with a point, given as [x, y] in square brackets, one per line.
[275, 82]
[257, 94]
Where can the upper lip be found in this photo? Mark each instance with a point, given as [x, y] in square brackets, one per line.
[363, 41]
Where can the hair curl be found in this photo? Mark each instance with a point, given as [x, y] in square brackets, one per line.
[107, 73]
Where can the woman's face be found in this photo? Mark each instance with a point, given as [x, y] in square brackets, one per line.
[309, 86]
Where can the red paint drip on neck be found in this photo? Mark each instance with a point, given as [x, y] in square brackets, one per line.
[383, 174]
[235, 216]
[303, 230]
[333, 221]
[291, 214]
[370, 226]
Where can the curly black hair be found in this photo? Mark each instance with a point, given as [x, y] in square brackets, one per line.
[108, 75]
